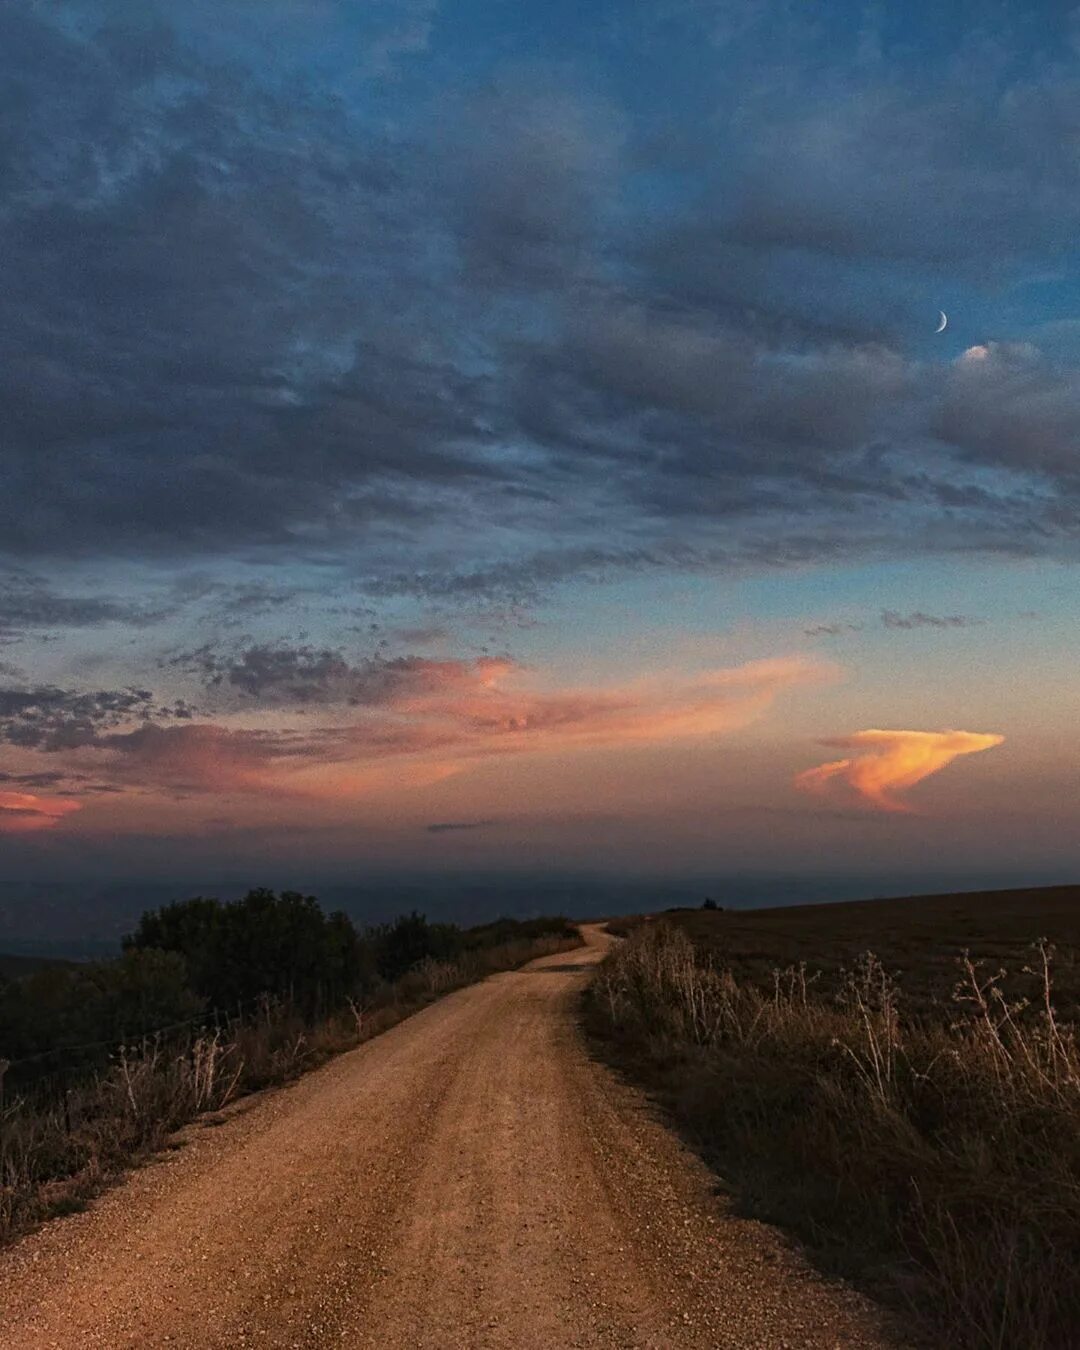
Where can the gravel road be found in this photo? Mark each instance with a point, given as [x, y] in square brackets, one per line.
[469, 1179]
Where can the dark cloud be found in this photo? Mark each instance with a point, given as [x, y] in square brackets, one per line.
[831, 629]
[304, 676]
[52, 719]
[285, 675]
[195, 278]
[72, 783]
[48, 718]
[29, 603]
[918, 619]
[535, 173]
[450, 826]
[1008, 405]
[892, 194]
[33, 780]
[520, 581]
[423, 636]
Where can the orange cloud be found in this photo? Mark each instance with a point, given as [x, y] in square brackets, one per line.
[23, 812]
[888, 763]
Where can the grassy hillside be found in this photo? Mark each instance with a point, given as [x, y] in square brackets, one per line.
[917, 938]
[913, 1114]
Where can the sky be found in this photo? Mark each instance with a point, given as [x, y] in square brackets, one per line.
[506, 438]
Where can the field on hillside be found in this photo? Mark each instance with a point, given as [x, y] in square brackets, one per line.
[913, 1115]
[918, 939]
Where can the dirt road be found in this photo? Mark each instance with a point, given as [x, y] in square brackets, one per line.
[469, 1179]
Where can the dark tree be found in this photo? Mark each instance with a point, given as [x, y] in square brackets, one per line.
[281, 945]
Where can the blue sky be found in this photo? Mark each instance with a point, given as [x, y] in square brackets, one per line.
[513, 415]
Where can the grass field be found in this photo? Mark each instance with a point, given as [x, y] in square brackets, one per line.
[897, 1082]
[918, 939]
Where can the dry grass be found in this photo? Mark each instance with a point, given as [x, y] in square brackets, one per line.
[936, 1158]
[59, 1149]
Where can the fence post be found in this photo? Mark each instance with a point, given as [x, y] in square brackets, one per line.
[64, 1095]
[5, 1064]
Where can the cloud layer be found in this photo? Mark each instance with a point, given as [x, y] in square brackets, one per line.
[240, 316]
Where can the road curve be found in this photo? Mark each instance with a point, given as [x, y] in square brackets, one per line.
[469, 1179]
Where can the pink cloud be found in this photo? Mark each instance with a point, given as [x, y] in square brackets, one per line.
[489, 715]
[436, 719]
[888, 763]
[202, 756]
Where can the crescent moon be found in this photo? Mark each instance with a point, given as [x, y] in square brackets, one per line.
[942, 322]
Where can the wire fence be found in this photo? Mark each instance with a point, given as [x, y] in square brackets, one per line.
[51, 1074]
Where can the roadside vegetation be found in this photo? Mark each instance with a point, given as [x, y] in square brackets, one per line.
[921, 1136]
[101, 1062]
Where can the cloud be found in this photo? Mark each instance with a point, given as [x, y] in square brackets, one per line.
[282, 675]
[489, 709]
[893, 619]
[535, 171]
[890, 618]
[459, 712]
[24, 812]
[831, 629]
[29, 602]
[424, 635]
[49, 718]
[202, 757]
[450, 826]
[379, 724]
[1008, 404]
[888, 763]
[406, 32]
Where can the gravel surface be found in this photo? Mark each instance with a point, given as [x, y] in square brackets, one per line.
[469, 1179]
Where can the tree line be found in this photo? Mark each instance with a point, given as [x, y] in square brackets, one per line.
[205, 957]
